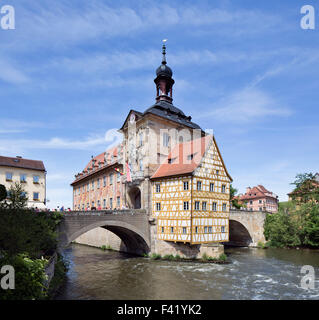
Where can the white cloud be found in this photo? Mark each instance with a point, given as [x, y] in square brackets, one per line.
[109, 139]
[66, 24]
[245, 106]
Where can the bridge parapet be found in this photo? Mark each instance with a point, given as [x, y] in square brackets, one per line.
[105, 212]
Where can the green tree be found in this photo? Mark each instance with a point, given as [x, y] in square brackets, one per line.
[281, 230]
[17, 196]
[29, 278]
[307, 188]
[233, 191]
[27, 231]
[309, 231]
[3, 192]
[297, 222]
[301, 178]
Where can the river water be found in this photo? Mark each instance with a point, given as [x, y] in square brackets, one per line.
[252, 274]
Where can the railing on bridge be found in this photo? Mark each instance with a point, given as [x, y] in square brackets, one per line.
[104, 212]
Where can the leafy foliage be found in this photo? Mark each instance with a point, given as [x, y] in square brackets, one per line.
[17, 197]
[25, 237]
[27, 231]
[233, 191]
[281, 230]
[297, 222]
[307, 188]
[3, 192]
[301, 178]
[309, 232]
[29, 278]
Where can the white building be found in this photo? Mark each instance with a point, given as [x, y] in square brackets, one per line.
[30, 173]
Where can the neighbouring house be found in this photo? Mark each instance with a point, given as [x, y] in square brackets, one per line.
[30, 173]
[306, 189]
[100, 184]
[259, 199]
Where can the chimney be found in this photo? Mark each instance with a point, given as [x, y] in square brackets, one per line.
[248, 189]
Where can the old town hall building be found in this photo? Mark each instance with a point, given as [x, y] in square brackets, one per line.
[167, 165]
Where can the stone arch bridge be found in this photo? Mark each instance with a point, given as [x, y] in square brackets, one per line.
[131, 226]
[246, 228]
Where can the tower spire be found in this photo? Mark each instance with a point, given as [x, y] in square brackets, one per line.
[164, 52]
[164, 81]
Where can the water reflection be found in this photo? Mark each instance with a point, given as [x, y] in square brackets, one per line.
[253, 274]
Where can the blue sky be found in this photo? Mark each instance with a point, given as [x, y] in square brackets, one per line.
[71, 71]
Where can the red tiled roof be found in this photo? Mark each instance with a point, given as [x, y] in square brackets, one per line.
[181, 163]
[257, 192]
[99, 158]
[22, 163]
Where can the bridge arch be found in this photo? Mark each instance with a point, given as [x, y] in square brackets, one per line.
[135, 238]
[246, 228]
[239, 236]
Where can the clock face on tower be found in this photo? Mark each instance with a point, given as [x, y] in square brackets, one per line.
[132, 118]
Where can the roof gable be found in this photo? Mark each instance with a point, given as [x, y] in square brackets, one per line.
[184, 158]
[19, 162]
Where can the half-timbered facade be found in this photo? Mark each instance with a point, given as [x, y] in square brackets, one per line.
[191, 194]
